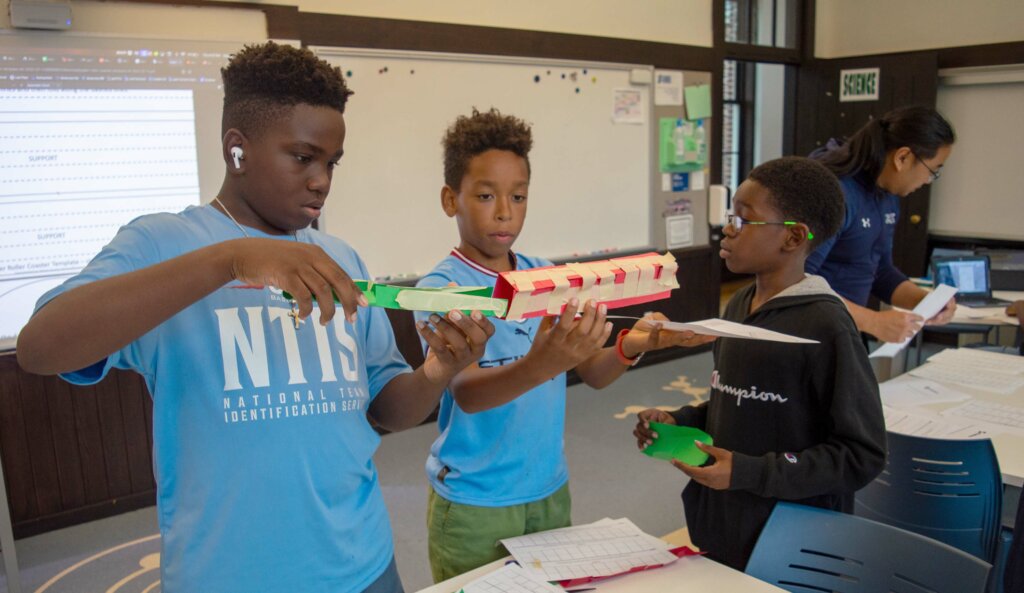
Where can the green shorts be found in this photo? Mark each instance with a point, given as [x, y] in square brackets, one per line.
[461, 537]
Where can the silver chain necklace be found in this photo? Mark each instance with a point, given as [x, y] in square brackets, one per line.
[294, 314]
[228, 212]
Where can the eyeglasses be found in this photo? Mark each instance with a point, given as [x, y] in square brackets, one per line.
[737, 222]
[935, 174]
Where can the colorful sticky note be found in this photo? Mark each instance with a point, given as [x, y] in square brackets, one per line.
[698, 101]
[676, 442]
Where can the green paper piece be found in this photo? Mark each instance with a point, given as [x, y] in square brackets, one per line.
[439, 300]
[676, 442]
[698, 101]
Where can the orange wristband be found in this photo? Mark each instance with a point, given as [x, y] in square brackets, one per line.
[622, 355]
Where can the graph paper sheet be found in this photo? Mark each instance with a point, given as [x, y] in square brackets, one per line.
[510, 578]
[600, 549]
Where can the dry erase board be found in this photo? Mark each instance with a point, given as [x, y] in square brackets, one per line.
[590, 186]
[979, 194]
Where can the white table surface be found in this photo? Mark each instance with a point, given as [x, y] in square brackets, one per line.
[693, 574]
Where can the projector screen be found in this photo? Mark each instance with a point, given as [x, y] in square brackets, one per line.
[94, 132]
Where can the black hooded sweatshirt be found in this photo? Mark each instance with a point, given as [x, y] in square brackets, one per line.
[804, 421]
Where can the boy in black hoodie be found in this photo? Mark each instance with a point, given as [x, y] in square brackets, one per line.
[801, 423]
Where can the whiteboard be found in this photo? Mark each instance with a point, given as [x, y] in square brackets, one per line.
[979, 194]
[591, 176]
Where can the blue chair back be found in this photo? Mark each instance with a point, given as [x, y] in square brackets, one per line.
[947, 490]
[804, 549]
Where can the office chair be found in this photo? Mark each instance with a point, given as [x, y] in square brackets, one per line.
[805, 549]
[951, 491]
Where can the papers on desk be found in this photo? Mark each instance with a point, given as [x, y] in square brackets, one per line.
[914, 392]
[928, 307]
[511, 578]
[604, 548]
[1001, 417]
[922, 424]
[978, 369]
[729, 329]
[980, 360]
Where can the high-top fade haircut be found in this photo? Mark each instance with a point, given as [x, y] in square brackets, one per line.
[804, 190]
[478, 133]
[264, 81]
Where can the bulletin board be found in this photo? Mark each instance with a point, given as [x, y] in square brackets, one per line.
[590, 189]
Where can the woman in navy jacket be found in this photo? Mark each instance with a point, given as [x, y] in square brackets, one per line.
[888, 158]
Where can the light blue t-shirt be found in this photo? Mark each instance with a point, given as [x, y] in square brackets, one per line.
[512, 454]
[261, 445]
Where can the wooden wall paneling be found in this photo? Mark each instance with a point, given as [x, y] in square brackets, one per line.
[63, 434]
[89, 436]
[44, 479]
[14, 443]
[113, 436]
[137, 422]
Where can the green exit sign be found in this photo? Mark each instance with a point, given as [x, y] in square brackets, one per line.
[859, 85]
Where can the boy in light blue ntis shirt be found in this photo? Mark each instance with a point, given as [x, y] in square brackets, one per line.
[262, 447]
[498, 468]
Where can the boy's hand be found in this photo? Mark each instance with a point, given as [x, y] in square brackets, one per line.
[646, 335]
[643, 433]
[303, 270]
[455, 342]
[895, 326]
[716, 476]
[1016, 309]
[561, 346]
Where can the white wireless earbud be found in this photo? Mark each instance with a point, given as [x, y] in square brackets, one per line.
[237, 154]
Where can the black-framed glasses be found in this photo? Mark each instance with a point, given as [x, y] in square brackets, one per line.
[933, 172]
[737, 222]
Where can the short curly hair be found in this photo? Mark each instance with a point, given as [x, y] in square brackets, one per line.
[478, 133]
[804, 190]
[262, 81]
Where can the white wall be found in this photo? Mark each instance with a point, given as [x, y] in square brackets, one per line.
[863, 27]
[686, 22]
[149, 21]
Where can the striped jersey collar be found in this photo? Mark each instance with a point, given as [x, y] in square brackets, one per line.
[481, 268]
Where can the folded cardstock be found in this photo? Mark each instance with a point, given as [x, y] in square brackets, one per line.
[521, 294]
[615, 283]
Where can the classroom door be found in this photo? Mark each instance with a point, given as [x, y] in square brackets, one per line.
[904, 79]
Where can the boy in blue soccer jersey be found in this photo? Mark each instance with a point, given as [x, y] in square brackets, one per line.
[262, 444]
[498, 468]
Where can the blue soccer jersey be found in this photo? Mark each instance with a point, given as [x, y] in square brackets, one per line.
[511, 454]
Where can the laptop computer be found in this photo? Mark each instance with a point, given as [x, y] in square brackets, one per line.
[970, 275]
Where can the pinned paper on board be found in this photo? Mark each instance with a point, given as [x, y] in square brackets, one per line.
[698, 101]
[628, 106]
[521, 294]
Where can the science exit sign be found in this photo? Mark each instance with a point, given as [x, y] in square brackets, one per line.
[860, 84]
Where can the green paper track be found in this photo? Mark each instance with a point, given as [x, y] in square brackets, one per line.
[439, 300]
